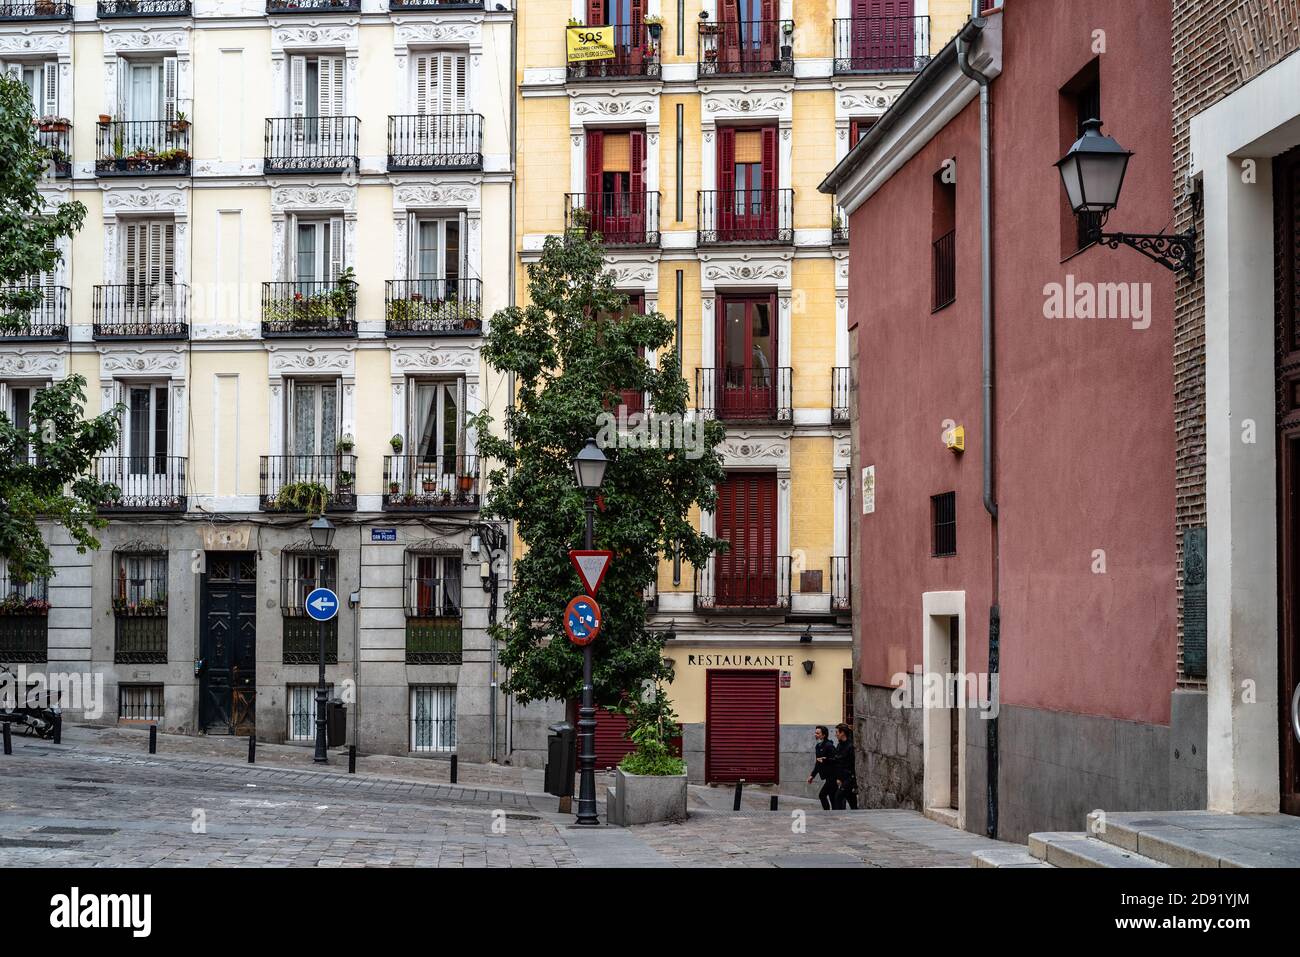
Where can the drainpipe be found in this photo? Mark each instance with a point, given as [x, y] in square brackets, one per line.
[968, 34]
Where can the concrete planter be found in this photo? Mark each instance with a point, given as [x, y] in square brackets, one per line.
[645, 799]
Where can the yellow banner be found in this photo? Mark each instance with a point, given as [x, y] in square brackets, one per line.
[590, 43]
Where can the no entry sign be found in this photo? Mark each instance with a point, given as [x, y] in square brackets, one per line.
[582, 620]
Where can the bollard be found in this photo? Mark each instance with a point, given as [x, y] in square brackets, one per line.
[774, 807]
[453, 769]
[58, 729]
[352, 759]
[153, 739]
[252, 749]
[9, 743]
[740, 786]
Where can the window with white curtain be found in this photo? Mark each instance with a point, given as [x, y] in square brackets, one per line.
[42, 81]
[437, 420]
[317, 250]
[301, 704]
[313, 416]
[433, 718]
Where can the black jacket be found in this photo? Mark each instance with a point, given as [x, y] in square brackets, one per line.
[824, 769]
[844, 766]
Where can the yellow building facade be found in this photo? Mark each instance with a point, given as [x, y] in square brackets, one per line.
[299, 220]
[694, 143]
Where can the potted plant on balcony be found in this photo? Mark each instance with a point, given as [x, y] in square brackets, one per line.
[787, 47]
[105, 119]
[119, 152]
[655, 25]
[394, 489]
[309, 497]
[428, 484]
[345, 482]
[707, 27]
[172, 159]
[467, 483]
[345, 444]
[53, 124]
[396, 443]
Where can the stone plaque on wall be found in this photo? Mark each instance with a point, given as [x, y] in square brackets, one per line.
[227, 538]
[1194, 615]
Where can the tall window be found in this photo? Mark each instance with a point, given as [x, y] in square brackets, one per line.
[146, 89]
[301, 572]
[433, 607]
[147, 432]
[746, 519]
[317, 251]
[943, 522]
[42, 82]
[616, 199]
[316, 86]
[437, 250]
[943, 228]
[1087, 106]
[19, 408]
[140, 583]
[437, 422]
[313, 417]
[747, 356]
[747, 183]
[441, 83]
[148, 265]
[433, 718]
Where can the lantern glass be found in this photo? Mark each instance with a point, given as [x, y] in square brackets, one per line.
[322, 532]
[1092, 172]
[589, 466]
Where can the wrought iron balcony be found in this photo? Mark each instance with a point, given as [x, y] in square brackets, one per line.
[309, 309]
[743, 584]
[418, 483]
[24, 620]
[621, 219]
[311, 144]
[140, 639]
[43, 309]
[433, 639]
[305, 483]
[35, 10]
[277, 7]
[944, 270]
[433, 307]
[745, 216]
[751, 47]
[882, 44]
[745, 394]
[301, 638]
[144, 483]
[839, 228]
[636, 57]
[841, 395]
[143, 8]
[421, 141]
[840, 583]
[55, 135]
[141, 312]
[142, 148]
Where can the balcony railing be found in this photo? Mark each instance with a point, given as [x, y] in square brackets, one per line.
[145, 483]
[142, 148]
[741, 583]
[621, 219]
[141, 312]
[421, 141]
[433, 307]
[301, 638]
[277, 7]
[418, 483]
[143, 8]
[746, 47]
[140, 640]
[302, 483]
[35, 10]
[882, 44]
[745, 393]
[433, 640]
[945, 270]
[840, 394]
[56, 137]
[311, 144]
[840, 583]
[435, 4]
[745, 216]
[636, 57]
[309, 309]
[43, 309]
[839, 228]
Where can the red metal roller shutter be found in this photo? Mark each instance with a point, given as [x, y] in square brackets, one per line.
[742, 721]
[612, 744]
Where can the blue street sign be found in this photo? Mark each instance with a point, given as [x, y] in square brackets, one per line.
[383, 534]
[582, 620]
[322, 604]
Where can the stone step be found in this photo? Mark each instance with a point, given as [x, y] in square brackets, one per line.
[1203, 838]
[1079, 849]
[1007, 857]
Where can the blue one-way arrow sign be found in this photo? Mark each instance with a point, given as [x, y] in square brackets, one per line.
[322, 604]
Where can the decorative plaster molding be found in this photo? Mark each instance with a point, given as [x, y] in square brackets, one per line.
[629, 274]
[436, 195]
[730, 105]
[741, 450]
[403, 360]
[340, 359]
[746, 272]
[38, 42]
[169, 199]
[314, 35]
[408, 34]
[118, 41]
[296, 198]
[588, 108]
[115, 361]
[31, 363]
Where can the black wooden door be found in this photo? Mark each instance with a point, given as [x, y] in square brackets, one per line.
[228, 644]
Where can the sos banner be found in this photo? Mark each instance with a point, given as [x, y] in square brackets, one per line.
[590, 43]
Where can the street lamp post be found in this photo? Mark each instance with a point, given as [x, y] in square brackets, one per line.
[322, 536]
[589, 472]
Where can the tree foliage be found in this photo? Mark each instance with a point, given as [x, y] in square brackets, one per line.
[28, 227]
[572, 350]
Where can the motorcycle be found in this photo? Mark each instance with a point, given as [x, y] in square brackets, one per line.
[33, 718]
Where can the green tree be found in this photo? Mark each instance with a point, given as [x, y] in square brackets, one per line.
[29, 228]
[46, 471]
[572, 351]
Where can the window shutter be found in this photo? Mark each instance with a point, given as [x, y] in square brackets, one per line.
[595, 13]
[636, 204]
[426, 67]
[336, 86]
[50, 88]
[130, 252]
[291, 246]
[123, 88]
[726, 159]
[595, 166]
[15, 70]
[297, 85]
[460, 100]
[169, 89]
[336, 247]
[769, 198]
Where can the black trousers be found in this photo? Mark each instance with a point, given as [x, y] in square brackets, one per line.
[847, 793]
[827, 794]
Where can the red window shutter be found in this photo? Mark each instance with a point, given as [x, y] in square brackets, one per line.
[853, 133]
[595, 171]
[724, 200]
[769, 178]
[636, 202]
[595, 13]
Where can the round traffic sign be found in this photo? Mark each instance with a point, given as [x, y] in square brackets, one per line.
[582, 620]
[322, 604]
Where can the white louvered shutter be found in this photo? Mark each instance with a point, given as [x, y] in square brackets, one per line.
[50, 89]
[169, 89]
[336, 247]
[123, 89]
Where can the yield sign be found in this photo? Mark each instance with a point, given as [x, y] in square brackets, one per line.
[591, 566]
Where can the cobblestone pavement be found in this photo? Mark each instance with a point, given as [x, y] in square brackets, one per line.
[101, 800]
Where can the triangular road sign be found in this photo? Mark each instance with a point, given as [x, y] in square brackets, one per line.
[591, 566]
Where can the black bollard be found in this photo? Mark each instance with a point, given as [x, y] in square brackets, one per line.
[9, 743]
[453, 769]
[774, 807]
[740, 786]
[153, 739]
[252, 749]
[58, 729]
[352, 759]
